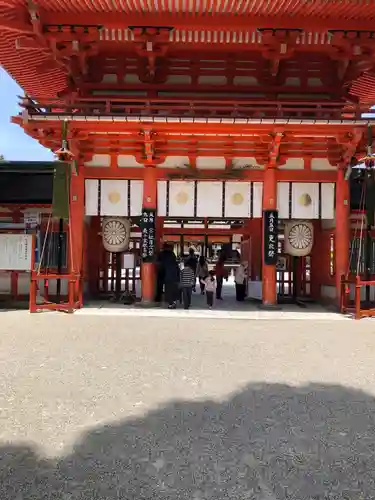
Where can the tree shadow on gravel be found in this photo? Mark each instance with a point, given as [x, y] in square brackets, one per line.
[267, 442]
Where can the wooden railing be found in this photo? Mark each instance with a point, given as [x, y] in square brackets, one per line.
[40, 281]
[195, 108]
[356, 307]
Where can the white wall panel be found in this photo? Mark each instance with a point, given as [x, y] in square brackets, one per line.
[211, 162]
[23, 284]
[257, 200]
[91, 196]
[210, 199]
[237, 199]
[114, 198]
[136, 198]
[99, 161]
[283, 199]
[5, 283]
[162, 198]
[328, 200]
[181, 199]
[305, 200]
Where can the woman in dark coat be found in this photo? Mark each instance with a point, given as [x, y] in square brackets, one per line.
[169, 275]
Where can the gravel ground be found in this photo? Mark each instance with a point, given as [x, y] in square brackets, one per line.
[151, 408]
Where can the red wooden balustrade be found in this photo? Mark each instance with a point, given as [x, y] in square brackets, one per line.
[355, 307]
[204, 108]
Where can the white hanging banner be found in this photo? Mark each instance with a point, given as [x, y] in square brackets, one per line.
[114, 198]
[298, 238]
[15, 252]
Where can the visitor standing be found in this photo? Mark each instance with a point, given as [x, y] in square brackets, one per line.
[240, 282]
[220, 273]
[170, 272]
[193, 263]
[187, 282]
[202, 272]
[210, 286]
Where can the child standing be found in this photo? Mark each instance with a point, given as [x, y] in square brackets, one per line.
[210, 285]
[187, 283]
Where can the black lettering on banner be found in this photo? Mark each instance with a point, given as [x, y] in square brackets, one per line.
[270, 228]
[148, 229]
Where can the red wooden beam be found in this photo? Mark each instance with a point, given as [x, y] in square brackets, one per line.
[207, 21]
[247, 175]
[301, 130]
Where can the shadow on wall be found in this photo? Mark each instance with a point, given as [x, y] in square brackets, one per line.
[267, 442]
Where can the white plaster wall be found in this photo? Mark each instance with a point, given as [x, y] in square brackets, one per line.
[321, 164]
[293, 164]
[211, 162]
[175, 162]
[23, 287]
[128, 161]
[5, 283]
[241, 162]
[99, 161]
[328, 291]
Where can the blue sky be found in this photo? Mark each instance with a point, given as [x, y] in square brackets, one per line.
[14, 143]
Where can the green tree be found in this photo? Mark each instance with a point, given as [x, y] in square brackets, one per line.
[2, 158]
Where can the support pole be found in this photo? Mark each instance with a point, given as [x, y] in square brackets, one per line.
[77, 228]
[59, 259]
[148, 278]
[342, 230]
[269, 295]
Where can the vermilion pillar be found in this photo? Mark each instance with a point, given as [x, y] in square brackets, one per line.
[77, 223]
[269, 203]
[342, 239]
[148, 278]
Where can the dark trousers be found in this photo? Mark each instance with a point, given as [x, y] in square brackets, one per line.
[210, 298]
[170, 293]
[240, 292]
[219, 286]
[202, 285]
[186, 296]
[159, 289]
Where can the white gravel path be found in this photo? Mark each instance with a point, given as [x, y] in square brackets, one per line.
[113, 407]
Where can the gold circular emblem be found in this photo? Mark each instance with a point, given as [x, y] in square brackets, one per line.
[114, 197]
[237, 199]
[305, 200]
[182, 198]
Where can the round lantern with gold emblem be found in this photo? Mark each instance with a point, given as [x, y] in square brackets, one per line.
[298, 238]
[116, 234]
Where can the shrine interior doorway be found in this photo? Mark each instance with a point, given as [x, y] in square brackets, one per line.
[293, 277]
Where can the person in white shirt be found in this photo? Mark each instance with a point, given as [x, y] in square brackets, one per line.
[210, 286]
[240, 281]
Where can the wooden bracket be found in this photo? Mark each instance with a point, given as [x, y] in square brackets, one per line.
[151, 43]
[350, 146]
[274, 150]
[149, 146]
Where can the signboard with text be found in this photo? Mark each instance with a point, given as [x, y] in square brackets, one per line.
[270, 228]
[148, 228]
[15, 252]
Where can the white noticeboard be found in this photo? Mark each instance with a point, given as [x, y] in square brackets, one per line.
[15, 252]
[129, 261]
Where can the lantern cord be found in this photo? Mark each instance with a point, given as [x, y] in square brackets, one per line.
[362, 204]
[46, 235]
[359, 256]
